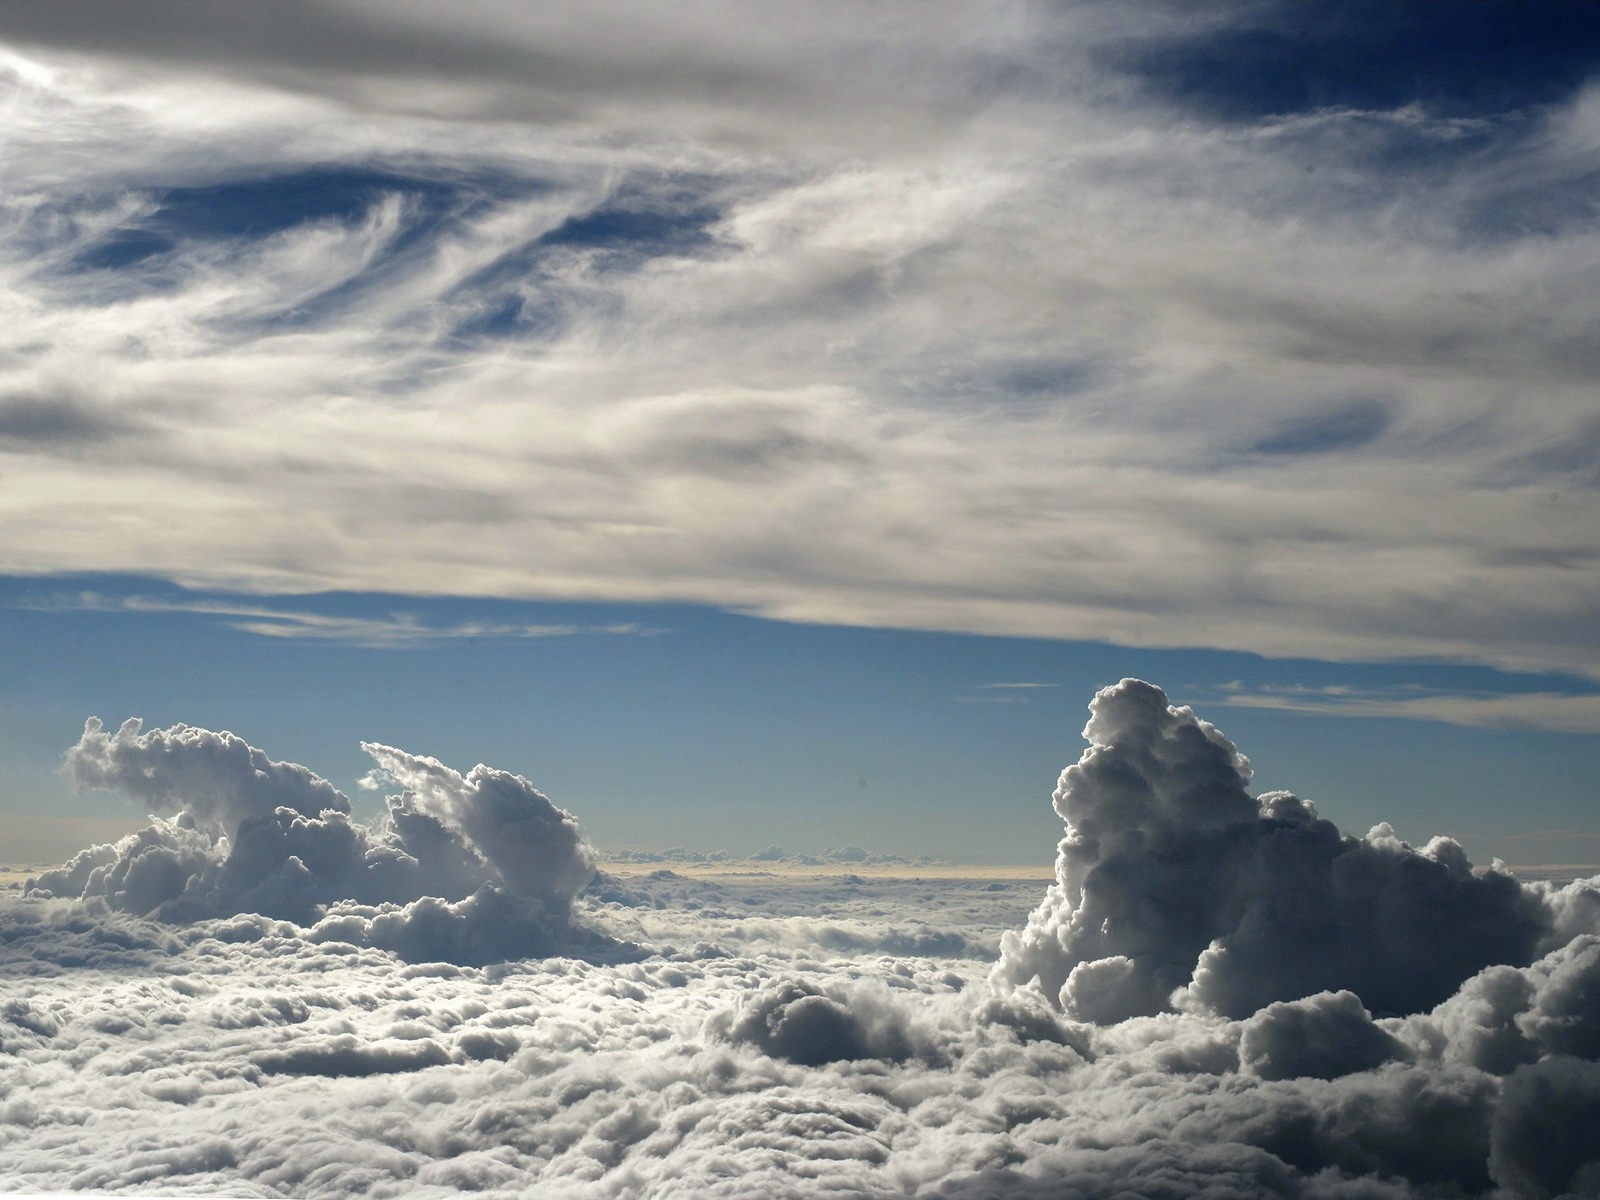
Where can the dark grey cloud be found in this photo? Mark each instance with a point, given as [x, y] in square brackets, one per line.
[63, 423]
[1322, 1037]
[793, 1020]
[1543, 1140]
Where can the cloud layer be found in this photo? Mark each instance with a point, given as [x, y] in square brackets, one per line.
[1014, 318]
[781, 1034]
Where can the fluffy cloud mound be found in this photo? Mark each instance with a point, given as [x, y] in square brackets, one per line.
[218, 779]
[796, 1021]
[1323, 1037]
[1175, 885]
[472, 868]
[533, 846]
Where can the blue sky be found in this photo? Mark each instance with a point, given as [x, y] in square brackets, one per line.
[705, 421]
[677, 725]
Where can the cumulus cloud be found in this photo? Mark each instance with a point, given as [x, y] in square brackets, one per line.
[793, 1020]
[467, 868]
[1176, 886]
[1323, 1037]
[534, 846]
[217, 778]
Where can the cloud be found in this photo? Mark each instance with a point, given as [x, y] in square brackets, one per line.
[1175, 886]
[60, 423]
[218, 779]
[1562, 712]
[743, 1044]
[1074, 338]
[472, 868]
[534, 846]
[394, 632]
[792, 1020]
[1321, 1037]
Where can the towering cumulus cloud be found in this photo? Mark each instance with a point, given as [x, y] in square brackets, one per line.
[465, 868]
[533, 845]
[1174, 887]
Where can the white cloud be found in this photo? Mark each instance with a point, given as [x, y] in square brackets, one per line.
[392, 632]
[787, 1034]
[1564, 712]
[472, 868]
[1175, 886]
[929, 318]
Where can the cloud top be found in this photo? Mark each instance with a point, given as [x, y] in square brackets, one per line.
[1174, 886]
[1220, 996]
[218, 779]
[471, 868]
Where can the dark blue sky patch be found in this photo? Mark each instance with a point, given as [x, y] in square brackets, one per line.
[248, 209]
[647, 232]
[517, 295]
[1469, 58]
[1047, 377]
[512, 316]
[1346, 426]
[259, 207]
[124, 248]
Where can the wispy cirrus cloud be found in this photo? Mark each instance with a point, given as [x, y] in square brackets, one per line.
[392, 631]
[1562, 712]
[1003, 693]
[1071, 339]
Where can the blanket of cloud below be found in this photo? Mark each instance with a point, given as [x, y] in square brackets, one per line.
[1219, 995]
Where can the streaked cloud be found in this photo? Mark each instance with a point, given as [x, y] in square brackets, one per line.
[1064, 339]
[1563, 712]
[396, 631]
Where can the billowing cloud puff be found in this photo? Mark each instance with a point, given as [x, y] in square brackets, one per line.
[1172, 878]
[1323, 1036]
[533, 845]
[217, 778]
[470, 869]
[795, 1020]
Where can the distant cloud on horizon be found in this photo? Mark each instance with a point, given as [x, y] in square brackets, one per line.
[1559, 712]
[394, 631]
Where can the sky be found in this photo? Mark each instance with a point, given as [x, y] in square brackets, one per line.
[773, 431]
[918, 599]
